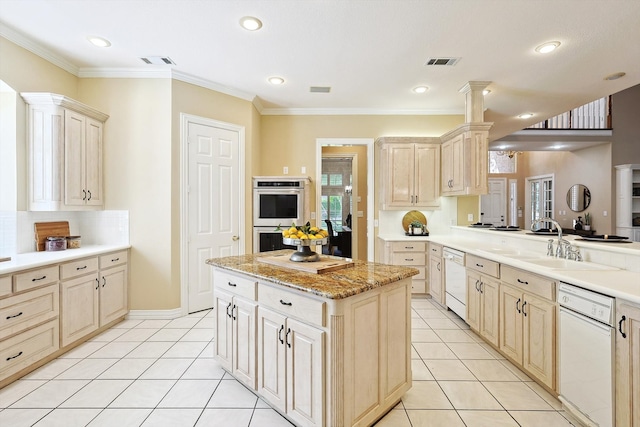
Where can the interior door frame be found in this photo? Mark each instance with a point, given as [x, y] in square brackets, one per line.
[505, 198]
[354, 177]
[185, 120]
[368, 142]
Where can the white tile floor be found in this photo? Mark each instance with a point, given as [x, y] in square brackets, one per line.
[162, 373]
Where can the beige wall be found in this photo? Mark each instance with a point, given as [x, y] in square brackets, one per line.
[589, 166]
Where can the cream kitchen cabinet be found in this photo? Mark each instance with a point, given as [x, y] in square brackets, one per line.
[236, 309]
[436, 274]
[93, 294]
[319, 361]
[65, 141]
[465, 152]
[409, 172]
[409, 254]
[627, 364]
[483, 297]
[528, 323]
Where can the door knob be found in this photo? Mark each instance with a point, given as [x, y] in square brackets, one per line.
[235, 238]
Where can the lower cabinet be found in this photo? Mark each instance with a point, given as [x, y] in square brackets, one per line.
[290, 372]
[627, 364]
[410, 254]
[318, 361]
[436, 274]
[528, 323]
[482, 306]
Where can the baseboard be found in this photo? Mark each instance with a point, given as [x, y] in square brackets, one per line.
[173, 313]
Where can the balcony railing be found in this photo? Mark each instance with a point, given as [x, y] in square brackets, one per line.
[594, 115]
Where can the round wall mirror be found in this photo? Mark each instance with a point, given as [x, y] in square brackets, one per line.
[578, 197]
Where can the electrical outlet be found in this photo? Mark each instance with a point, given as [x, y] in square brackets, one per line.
[375, 222]
[285, 170]
[470, 217]
[360, 214]
[605, 213]
[303, 169]
[313, 215]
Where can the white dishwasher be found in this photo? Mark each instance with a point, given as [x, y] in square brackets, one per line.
[587, 345]
[455, 278]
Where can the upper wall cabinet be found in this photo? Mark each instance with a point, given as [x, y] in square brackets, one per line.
[409, 172]
[465, 152]
[64, 153]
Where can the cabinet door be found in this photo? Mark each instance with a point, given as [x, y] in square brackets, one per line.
[479, 147]
[539, 338]
[446, 168]
[271, 357]
[489, 312]
[79, 312]
[305, 373]
[74, 159]
[628, 366]
[93, 163]
[113, 294]
[399, 191]
[244, 341]
[222, 342]
[510, 323]
[473, 300]
[435, 279]
[427, 175]
[457, 164]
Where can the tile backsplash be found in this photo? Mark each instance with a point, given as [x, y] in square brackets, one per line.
[95, 228]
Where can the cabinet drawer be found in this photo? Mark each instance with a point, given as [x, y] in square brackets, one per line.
[238, 285]
[22, 350]
[114, 258]
[22, 311]
[435, 249]
[408, 258]
[292, 304]
[35, 278]
[78, 268]
[409, 246]
[418, 286]
[5, 285]
[490, 268]
[532, 283]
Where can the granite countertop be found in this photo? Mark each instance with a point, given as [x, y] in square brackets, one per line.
[338, 284]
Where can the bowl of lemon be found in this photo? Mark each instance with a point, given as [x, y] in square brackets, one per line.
[304, 237]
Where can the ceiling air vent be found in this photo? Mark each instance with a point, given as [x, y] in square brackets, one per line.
[158, 60]
[320, 89]
[441, 61]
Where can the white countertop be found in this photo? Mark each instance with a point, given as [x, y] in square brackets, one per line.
[619, 283]
[37, 259]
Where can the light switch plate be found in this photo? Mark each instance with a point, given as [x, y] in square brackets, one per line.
[285, 170]
[470, 217]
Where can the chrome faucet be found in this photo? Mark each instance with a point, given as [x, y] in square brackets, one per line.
[559, 249]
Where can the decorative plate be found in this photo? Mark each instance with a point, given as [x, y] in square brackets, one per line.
[411, 216]
[606, 238]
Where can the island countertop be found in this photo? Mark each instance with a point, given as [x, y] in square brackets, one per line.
[337, 284]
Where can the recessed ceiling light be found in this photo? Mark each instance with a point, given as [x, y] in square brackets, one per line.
[547, 47]
[420, 89]
[525, 116]
[615, 76]
[275, 80]
[250, 23]
[486, 92]
[99, 41]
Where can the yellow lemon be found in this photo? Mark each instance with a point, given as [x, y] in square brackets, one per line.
[314, 229]
[285, 233]
[293, 230]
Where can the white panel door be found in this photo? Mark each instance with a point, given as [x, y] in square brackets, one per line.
[213, 205]
[493, 206]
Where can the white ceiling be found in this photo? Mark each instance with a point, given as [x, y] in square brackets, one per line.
[370, 52]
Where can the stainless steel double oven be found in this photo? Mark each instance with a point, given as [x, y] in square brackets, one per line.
[277, 201]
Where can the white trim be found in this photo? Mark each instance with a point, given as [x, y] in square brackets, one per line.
[370, 190]
[185, 119]
[208, 84]
[32, 46]
[513, 202]
[125, 73]
[355, 112]
[173, 313]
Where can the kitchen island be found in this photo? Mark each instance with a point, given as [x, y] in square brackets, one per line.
[328, 349]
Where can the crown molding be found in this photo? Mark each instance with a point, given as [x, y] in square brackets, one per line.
[33, 46]
[208, 84]
[355, 112]
[125, 73]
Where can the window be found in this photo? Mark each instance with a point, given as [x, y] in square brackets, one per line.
[336, 195]
[541, 196]
[501, 163]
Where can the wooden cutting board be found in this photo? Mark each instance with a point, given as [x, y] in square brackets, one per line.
[325, 264]
[47, 229]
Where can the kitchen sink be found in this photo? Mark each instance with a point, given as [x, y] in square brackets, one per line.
[512, 253]
[566, 264]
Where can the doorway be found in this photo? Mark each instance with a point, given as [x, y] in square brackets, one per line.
[339, 188]
[358, 214]
[212, 199]
[539, 199]
[493, 205]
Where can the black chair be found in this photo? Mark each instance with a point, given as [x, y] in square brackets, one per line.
[331, 245]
